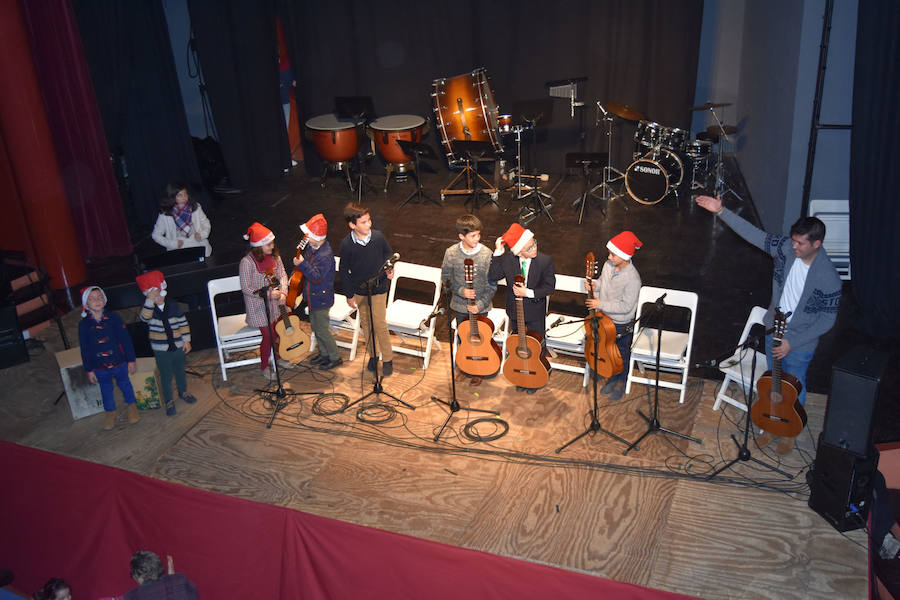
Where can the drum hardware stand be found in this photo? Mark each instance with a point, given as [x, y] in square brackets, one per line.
[608, 194]
[418, 150]
[534, 202]
[653, 425]
[473, 150]
[454, 404]
[377, 388]
[361, 110]
[278, 398]
[587, 161]
[721, 189]
[754, 341]
[594, 425]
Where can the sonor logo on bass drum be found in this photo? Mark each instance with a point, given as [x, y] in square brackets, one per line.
[651, 170]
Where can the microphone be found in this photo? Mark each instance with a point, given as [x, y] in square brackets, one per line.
[389, 263]
[437, 311]
[557, 322]
[659, 302]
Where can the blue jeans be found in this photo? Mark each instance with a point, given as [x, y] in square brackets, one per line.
[795, 363]
[105, 378]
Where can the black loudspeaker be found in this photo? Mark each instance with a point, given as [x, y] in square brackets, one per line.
[840, 485]
[12, 344]
[855, 382]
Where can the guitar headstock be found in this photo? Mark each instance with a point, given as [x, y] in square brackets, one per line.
[469, 271]
[780, 326]
[303, 243]
[590, 266]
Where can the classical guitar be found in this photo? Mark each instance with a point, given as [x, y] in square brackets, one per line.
[293, 342]
[525, 366]
[608, 357]
[777, 409]
[478, 354]
[296, 284]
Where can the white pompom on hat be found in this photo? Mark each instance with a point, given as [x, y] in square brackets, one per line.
[259, 235]
[85, 292]
[624, 245]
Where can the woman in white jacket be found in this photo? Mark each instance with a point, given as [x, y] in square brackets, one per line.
[181, 222]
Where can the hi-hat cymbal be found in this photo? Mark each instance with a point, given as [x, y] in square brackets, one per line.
[625, 111]
[710, 105]
[714, 129]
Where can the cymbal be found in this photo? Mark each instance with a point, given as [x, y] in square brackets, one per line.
[714, 129]
[710, 105]
[625, 111]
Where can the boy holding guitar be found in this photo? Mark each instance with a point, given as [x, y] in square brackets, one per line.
[539, 273]
[616, 295]
[805, 285]
[474, 297]
[316, 264]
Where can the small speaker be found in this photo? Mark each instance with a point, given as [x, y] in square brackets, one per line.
[855, 382]
[840, 484]
[12, 344]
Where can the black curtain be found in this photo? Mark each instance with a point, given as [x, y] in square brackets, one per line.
[133, 71]
[874, 175]
[640, 52]
[238, 52]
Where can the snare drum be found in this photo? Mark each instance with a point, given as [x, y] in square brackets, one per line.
[698, 149]
[649, 179]
[335, 139]
[386, 131]
[462, 104]
[676, 139]
[504, 124]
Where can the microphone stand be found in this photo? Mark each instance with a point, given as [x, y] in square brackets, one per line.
[594, 426]
[377, 389]
[743, 450]
[453, 405]
[653, 425]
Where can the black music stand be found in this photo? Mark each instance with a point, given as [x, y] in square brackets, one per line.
[530, 112]
[587, 161]
[417, 150]
[653, 425]
[362, 110]
[474, 151]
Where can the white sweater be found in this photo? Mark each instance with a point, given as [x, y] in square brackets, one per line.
[167, 234]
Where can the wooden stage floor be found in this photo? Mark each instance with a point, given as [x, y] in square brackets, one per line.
[648, 518]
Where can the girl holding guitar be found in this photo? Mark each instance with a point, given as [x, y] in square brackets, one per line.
[538, 281]
[616, 295]
[472, 293]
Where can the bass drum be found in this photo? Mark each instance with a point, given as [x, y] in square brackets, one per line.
[650, 179]
[465, 103]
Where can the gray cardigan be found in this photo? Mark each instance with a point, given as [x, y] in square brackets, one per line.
[452, 270]
[818, 305]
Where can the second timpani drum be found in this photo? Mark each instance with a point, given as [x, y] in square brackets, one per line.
[386, 131]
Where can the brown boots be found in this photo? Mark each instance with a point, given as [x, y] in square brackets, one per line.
[133, 416]
[110, 421]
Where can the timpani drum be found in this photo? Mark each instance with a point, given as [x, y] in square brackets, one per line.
[335, 139]
[465, 105]
[386, 131]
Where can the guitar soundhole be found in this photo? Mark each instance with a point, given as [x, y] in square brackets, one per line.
[523, 353]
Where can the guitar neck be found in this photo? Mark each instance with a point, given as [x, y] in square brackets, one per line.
[520, 322]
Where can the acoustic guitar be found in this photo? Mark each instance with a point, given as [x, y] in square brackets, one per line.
[296, 284]
[478, 354]
[777, 409]
[525, 366]
[608, 357]
[293, 342]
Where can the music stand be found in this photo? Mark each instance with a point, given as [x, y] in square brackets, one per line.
[473, 150]
[362, 110]
[535, 202]
[587, 161]
[417, 150]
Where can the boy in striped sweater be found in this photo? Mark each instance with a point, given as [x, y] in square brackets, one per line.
[170, 337]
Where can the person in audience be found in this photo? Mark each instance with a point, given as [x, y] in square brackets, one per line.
[262, 268]
[54, 589]
[153, 582]
[170, 337]
[107, 353]
[181, 222]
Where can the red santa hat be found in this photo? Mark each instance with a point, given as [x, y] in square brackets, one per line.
[152, 280]
[517, 237]
[259, 235]
[624, 245]
[85, 292]
[316, 228]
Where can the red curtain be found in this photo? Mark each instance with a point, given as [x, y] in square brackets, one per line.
[77, 128]
[63, 517]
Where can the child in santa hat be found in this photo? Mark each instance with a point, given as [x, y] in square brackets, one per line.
[170, 337]
[106, 353]
[261, 267]
[523, 258]
[317, 265]
[616, 295]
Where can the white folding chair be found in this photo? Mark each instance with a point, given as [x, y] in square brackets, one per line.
[341, 318]
[568, 338]
[232, 332]
[675, 349]
[737, 367]
[404, 316]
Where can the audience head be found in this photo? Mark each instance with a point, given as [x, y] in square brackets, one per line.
[54, 589]
[146, 567]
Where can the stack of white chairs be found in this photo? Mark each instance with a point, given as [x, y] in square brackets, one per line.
[836, 216]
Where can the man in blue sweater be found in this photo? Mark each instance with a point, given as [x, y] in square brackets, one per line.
[804, 284]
